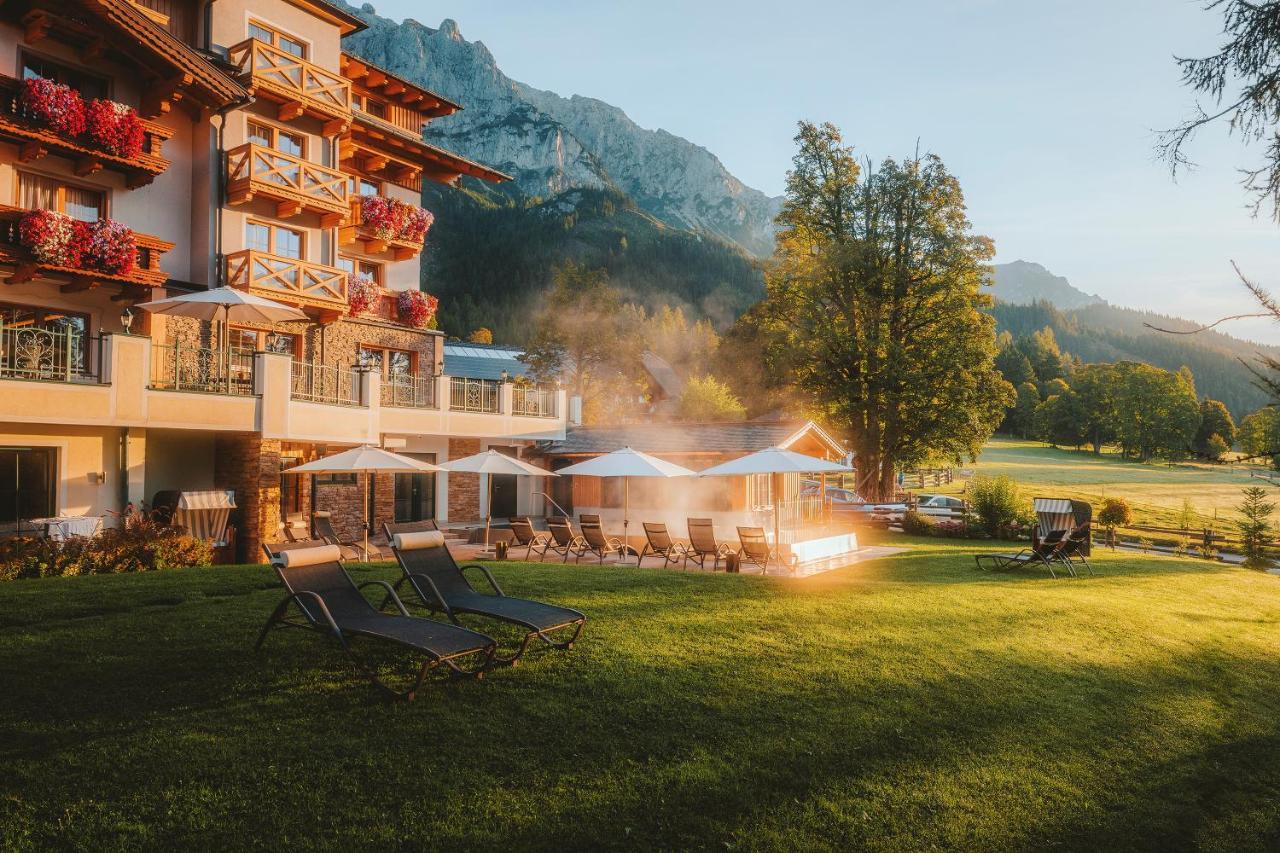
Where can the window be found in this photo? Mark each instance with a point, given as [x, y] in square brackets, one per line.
[368, 105]
[335, 479]
[351, 266]
[390, 362]
[364, 186]
[26, 484]
[273, 239]
[759, 491]
[274, 37]
[253, 340]
[38, 192]
[88, 85]
[284, 141]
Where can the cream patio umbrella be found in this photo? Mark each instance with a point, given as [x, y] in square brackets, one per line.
[626, 463]
[774, 461]
[227, 305]
[365, 459]
[492, 462]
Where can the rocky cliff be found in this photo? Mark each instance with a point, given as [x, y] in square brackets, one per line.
[551, 144]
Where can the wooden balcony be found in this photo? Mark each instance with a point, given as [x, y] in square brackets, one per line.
[288, 280]
[299, 87]
[294, 184]
[35, 141]
[354, 233]
[146, 272]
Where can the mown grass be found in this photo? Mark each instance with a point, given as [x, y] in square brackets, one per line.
[1155, 489]
[905, 703]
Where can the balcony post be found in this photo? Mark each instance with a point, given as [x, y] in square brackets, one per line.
[506, 398]
[272, 379]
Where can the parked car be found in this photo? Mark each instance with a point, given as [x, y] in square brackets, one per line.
[940, 506]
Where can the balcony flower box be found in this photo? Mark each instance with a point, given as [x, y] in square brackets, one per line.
[106, 125]
[391, 219]
[363, 294]
[58, 240]
[416, 308]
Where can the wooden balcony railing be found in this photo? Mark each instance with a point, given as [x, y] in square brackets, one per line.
[146, 271]
[298, 85]
[35, 141]
[294, 184]
[288, 279]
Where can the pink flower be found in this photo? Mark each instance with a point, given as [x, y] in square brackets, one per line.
[58, 107]
[363, 293]
[416, 308]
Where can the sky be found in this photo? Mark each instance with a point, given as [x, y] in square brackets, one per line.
[1047, 112]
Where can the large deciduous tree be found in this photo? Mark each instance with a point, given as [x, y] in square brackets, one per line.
[1156, 411]
[874, 301]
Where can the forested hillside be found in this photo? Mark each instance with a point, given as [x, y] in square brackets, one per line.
[1102, 332]
[492, 252]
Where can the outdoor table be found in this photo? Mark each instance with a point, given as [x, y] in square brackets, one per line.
[66, 527]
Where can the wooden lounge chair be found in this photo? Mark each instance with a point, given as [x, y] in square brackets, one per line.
[1042, 553]
[755, 548]
[564, 542]
[596, 542]
[442, 586]
[330, 602]
[658, 542]
[703, 545]
[528, 538]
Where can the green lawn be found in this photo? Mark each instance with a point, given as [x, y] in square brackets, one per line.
[1155, 489]
[906, 703]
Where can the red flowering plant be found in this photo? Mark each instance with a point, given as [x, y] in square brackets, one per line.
[115, 128]
[52, 238]
[111, 247]
[416, 308]
[363, 293]
[391, 219]
[55, 105]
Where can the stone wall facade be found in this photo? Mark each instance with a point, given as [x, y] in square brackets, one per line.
[346, 504]
[250, 466]
[464, 489]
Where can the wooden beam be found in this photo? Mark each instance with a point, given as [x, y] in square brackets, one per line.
[161, 95]
[23, 272]
[393, 87]
[375, 78]
[138, 179]
[375, 247]
[240, 196]
[406, 172]
[403, 254]
[334, 126]
[353, 69]
[411, 98]
[331, 220]
[288, 209]
[31, 151]
[93, 50]
[37, 25]
[290, 110]
[127, 295]
[78, 284]
[87, 166]
[376, 162]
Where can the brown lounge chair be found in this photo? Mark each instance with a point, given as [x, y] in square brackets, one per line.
[564, 542]
[703, 545]
[442, 586]
[1042, 553]
[596, 542]
[330, 602]
[528, 538]
[658, 542]
[755, 548]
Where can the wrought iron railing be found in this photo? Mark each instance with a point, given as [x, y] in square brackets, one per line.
[183, 366]
[534, 401]
[49, 354]
[475, 395]
[406, 391]
[323, 383]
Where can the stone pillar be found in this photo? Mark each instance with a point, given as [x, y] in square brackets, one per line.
[250, 466]
[464, 489]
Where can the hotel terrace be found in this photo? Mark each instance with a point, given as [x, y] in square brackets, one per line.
[226, 144]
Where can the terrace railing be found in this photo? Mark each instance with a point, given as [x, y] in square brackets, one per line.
[287, 279]
[475, 395]
[295, 184]
[49, 354]
[411, 392]
[182, 366]
[301, 86]
[323, 383]
[533, 401]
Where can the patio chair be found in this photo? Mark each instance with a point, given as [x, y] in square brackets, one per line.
[1071, 554]
[564, 542]
[330, 602]
[703, 545]
[755, 548]
[528, 538]
[442, 586]
[323, 527]
[273, 550]
[1044, 552]
[588, 518]
[596, 542]
[391, 528]
[658, 542]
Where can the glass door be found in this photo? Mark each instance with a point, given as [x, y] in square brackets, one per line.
[26, 485]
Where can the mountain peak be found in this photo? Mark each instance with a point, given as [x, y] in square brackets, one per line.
[449, 29]
[1025, 282]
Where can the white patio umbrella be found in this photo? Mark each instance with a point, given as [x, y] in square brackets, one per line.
[225, 304]
[774, 461]
[365, 459]
[626, 463]
[489, 463]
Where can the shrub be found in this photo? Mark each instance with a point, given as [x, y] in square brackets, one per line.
[1115, 513]
[996, 502]
[950, 529]
[1216, 447]
[139, 546]
[916, 524]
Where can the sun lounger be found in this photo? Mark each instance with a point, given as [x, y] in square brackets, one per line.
[755, 548]
[596, 542]
[329, 601]
[703, 545]
[528, 538]
[564, 542]
[442, 586]
[1043, 553]
[1071, 554]
[658, 542]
